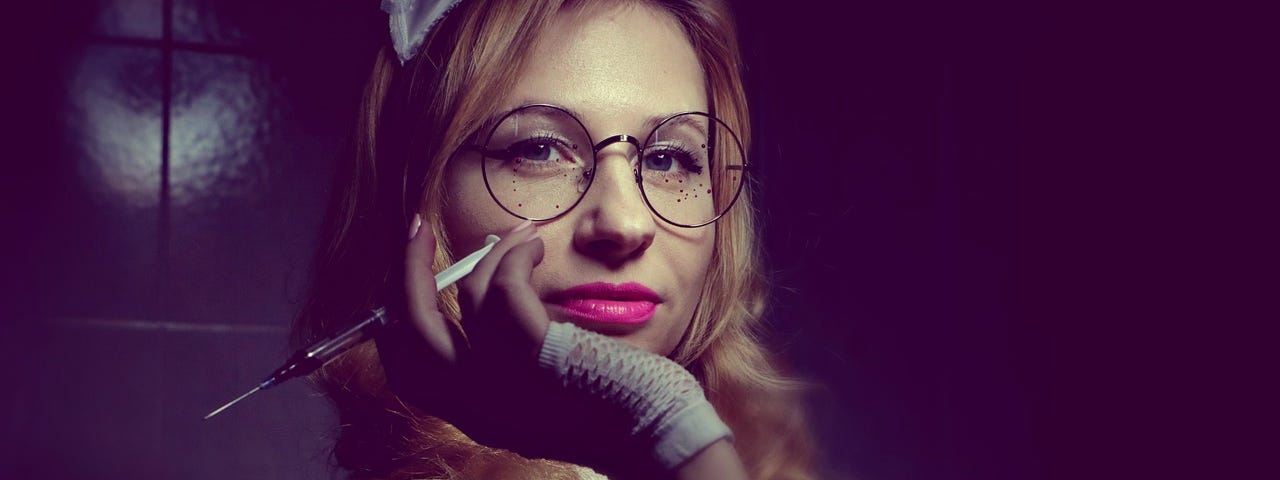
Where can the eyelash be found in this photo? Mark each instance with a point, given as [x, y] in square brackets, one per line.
[685, 156]
[551, 141]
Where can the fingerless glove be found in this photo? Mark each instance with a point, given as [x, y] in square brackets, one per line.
[665, 400]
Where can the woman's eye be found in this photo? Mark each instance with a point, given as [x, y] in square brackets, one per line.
[533, 151]
[543, 149]
[660, 161]
[671, 161]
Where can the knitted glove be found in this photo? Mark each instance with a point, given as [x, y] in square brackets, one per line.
[664, 400]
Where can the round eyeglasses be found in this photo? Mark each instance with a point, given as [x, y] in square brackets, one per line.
[539, 161]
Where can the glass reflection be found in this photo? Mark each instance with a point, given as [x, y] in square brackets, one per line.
[114, 122]
[222, 123]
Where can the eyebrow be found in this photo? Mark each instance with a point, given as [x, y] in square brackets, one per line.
[649, 124]
[489, 123]
[683, 120]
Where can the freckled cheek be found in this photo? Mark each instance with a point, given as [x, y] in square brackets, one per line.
[470, 214]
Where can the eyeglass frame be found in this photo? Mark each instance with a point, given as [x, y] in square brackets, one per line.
[595, 152]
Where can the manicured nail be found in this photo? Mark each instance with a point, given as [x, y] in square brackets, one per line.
[521, 226]
[535, 235]
[415, 225]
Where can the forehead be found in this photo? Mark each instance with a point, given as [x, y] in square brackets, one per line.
[616, 66]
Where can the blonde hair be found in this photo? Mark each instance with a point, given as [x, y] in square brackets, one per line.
[426, 109]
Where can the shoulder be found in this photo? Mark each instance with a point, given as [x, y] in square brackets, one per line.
[585, 473]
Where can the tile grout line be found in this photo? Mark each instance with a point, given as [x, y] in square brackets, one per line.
[165, 275]
[164, 219]
[213, 49]
[146, 325]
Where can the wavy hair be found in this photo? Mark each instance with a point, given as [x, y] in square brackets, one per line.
[411, 121]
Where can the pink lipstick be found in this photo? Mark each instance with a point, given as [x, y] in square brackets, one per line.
[627, 303]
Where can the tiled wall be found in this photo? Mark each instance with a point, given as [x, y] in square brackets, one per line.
[194, 144]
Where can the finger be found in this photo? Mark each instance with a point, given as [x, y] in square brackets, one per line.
[510, 290]
[420, 290]
[472, 288]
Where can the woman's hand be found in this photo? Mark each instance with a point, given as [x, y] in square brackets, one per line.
[427, 359]
[504, 315]
[488, 383]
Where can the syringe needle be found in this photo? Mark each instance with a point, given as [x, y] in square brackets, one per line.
[308, 359]
[233, 402]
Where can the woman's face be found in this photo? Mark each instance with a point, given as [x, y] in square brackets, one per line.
[610, 265]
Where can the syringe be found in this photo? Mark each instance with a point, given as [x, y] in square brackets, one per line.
[308, 359]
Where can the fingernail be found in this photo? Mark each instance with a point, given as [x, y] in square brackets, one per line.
[415, 225]
[536, 234]
[521, 226]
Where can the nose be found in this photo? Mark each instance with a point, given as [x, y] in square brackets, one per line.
[615, 224]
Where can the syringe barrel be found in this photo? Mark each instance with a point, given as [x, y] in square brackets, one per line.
[314, 356]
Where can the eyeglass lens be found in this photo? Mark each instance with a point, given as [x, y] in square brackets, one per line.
[540, 160]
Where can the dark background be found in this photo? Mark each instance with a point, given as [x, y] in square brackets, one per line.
[1007, 238]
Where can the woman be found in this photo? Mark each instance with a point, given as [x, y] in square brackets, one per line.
[573, 117]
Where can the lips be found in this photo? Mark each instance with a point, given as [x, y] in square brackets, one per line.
[624, 304]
